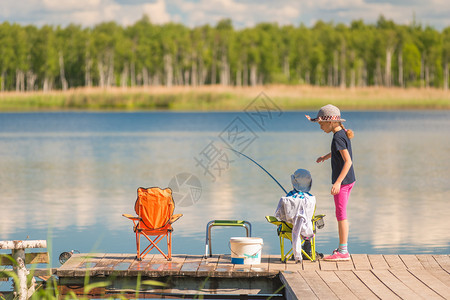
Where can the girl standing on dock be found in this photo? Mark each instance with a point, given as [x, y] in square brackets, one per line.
[343, 176]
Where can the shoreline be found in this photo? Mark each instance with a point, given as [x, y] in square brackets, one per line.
[224, 98]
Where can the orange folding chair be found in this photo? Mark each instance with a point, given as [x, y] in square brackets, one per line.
[154, 208]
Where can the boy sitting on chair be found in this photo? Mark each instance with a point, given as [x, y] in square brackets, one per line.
[297, 208]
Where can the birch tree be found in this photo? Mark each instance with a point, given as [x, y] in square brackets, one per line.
[6, 54]
[446, 57]
[148, 54]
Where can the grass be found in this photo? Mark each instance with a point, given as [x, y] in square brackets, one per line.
[219, 98]
[51, 290]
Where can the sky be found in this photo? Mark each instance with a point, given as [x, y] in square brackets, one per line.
[192, 13]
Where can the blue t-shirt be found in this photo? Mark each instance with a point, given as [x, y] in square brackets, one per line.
[341, 142]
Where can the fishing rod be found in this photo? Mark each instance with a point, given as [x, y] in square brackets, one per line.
[261, 168]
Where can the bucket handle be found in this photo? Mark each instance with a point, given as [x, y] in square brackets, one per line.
[229, 246]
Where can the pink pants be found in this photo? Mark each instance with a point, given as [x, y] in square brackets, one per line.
[341, 200]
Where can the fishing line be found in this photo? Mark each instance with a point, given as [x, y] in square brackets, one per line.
[261, 168]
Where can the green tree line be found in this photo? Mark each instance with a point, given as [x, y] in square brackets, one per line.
[146, 54]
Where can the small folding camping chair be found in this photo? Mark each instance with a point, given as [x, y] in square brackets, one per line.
[154, 208]
[284, 231]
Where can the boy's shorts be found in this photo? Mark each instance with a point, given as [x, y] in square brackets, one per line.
[341, 200]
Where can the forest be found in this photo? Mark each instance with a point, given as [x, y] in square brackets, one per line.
[145, 54]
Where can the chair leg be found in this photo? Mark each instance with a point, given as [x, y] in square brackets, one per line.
[313, 248]
[283, 257]
[138, 245]
[169, 245]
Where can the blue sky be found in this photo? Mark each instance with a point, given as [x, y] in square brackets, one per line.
[435, 13]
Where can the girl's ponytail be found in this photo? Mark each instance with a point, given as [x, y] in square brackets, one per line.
[349, 132]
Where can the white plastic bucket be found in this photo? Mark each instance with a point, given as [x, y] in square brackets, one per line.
[246, 250]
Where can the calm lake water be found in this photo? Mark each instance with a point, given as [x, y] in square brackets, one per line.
[69, 176]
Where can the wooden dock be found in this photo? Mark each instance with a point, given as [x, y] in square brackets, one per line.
[363, 277]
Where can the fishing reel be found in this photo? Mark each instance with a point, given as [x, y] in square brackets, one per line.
[63, 257]
[320, 223]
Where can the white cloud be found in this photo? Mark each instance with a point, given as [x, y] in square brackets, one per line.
[400, 11]
[87, 18]
[157, 12]
[66, 5]
[14, 9]
[241, 13]
[89, 15]
[84, 12]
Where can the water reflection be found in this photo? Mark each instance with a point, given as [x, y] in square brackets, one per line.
[70, 179]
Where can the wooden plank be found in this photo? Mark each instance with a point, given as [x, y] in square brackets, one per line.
[415, 284]
[107, 265]
[346, 265]
[375, 285]
[174, 266]
[378, 262]
[110, 260]
[91, 260]
[122, 267]
[358, 288]
[30, 258]
[395, 262]
[296, 287]
[159, 260]
[441, 275]
[318, 286]
[293, 266]
[138, 266]
[443, 261]
[20, 244]
[275, 263]
[88, 264]
[224, 266]
[411, 261]
[395, 285]
[361, 262]
[328, 265]
[43, 272]
[241, 270]
[151, 264]
[261, 269]
[311, 265]
[67, 269]
[160, 266]
[208, 266]
[336, 285]
[428, 262]
[191, 264]
[37, 258]
[6, 260]
[432, 282]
